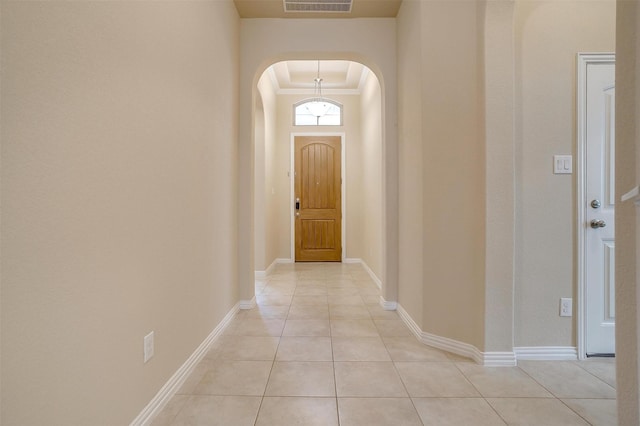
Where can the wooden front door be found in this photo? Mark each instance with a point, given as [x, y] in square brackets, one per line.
[318, 199]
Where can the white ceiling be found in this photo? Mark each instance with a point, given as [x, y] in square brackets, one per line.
[337, 76]
[359, 9]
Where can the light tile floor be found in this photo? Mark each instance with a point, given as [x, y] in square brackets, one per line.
[319, 350]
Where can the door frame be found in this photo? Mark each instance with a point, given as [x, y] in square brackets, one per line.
[292, 189]
[582, 61]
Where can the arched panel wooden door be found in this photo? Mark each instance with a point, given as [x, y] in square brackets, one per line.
[318, 199]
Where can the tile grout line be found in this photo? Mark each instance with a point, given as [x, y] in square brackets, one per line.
[404, 385]
[480, 393]
[579, 364]
[325, 277]
[574, 411]
[273, 363]
[333, 361]
[551, 393]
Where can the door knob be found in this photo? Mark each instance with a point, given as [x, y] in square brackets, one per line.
[598, 224]
[595, 204]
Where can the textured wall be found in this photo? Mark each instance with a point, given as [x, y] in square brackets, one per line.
[371, 160]
[627, 215]
[119, 130]
[410, 188]
[548, 37]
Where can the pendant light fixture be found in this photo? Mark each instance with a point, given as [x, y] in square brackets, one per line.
[318, 106]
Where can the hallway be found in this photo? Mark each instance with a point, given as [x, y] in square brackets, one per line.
[319, 350]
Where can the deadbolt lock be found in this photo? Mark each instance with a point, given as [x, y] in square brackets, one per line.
[596, 204]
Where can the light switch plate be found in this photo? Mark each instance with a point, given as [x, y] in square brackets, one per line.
[566, 306]
[562, 164]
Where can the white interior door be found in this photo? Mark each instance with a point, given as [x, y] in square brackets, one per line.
[599, 225]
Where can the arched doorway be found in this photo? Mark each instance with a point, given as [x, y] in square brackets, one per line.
[387, 176]
[354, 93]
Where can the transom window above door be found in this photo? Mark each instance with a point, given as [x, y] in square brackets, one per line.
[306, 113]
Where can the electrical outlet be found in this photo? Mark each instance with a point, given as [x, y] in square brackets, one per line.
[566, 307]
[148, 347]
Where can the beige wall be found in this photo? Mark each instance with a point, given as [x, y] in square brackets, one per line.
[271, 177]
[259, 218]
[119, 129]
[370, 209]
[451, 167]
[266, 205]
[499, 100]
[410, 188]
[507, 73]
[548, 36]
[453, 172]
[627, 216]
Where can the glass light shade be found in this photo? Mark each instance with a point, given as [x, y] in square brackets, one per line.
[318, 108]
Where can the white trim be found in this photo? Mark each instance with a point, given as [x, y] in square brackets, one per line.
[498, 359]
[363, 80]
[388, 306]
[583, 59]
[172, 385]
[547, 353]
[343, 186]
[633, 195]
[247, 304]
[274, 79]
[489, 359]
[372, 274]
[261, 275]
[409, 322]
[351, 92]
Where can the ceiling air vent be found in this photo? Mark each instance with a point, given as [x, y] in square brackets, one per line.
[343, 6]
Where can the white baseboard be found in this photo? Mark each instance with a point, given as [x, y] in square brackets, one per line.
[260, 275]
[409, 322]
[373, 276]
[169, 389]
[247, 304]
[498, 359]
[546, 353]
[388, 306]
[490, 359]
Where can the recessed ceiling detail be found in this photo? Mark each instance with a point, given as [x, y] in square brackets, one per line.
[339, 6]
[342, 77]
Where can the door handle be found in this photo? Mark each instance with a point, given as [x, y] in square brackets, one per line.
[297, 203]
[595, 224]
